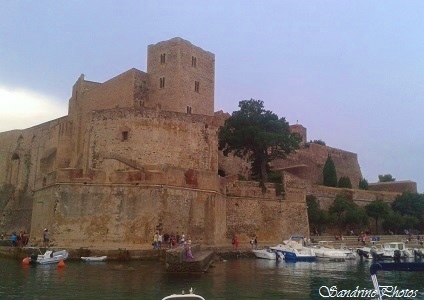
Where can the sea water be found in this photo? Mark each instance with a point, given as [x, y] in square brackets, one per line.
[233, 279]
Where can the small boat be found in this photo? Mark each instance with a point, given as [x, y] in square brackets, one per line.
[394, 250]
[93, 258]
[49, 257]
[268, 253]
[190, 295]
[295, 251]
[396, 266]
[326, 250]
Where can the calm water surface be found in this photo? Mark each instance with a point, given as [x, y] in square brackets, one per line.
[233, 279]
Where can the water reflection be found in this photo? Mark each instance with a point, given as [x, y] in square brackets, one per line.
[234, 279]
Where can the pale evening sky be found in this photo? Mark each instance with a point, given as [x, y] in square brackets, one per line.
[351, 72]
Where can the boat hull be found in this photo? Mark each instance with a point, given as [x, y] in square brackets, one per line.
[94, 258]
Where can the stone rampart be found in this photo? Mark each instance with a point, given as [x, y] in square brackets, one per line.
[269, 215]
[326, 195]
[154, 138]
[86, 215]
[394, 186]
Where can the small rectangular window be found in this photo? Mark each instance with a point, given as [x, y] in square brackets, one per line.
[188, 109]
[162, 82]
[162, 58]
[194, 61]
[124, 135]
[196, 86]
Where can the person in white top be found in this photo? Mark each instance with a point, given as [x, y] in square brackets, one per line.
[160, 240]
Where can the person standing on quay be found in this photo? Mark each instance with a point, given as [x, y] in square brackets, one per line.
[236, 242]
[46, 238]
[256, 242]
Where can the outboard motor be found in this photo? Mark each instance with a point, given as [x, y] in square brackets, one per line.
[418, 253]
[33, 258]
[362, 253]
[374, 254]
[397, 255]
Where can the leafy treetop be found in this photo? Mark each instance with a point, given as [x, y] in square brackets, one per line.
[386, 178]
[257, 135]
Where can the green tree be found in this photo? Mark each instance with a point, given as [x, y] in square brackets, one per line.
[329, 173]
[344, 182]
[319, 142]
[377, 209]
[363, 184]
[338, 208]
[393, 222]
[355, 216]
[317, 217]
[257, 135]
[385, 178]
[410, 204]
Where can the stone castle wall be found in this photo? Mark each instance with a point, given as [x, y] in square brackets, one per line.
[308, 163]
[154, 138]
[394, 186]
[326, 195]
[123, 215]
[133, 156]
[270, 216]
[27, 158]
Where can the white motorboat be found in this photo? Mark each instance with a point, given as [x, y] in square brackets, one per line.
[93, 258]
[295, 251]
[268, 253]
[183, 295]
[326, 250]
[49, 257]
[394, 250]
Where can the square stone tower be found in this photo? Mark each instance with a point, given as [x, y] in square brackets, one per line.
[182, 77]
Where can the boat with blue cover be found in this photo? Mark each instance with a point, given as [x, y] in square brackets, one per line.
[293, 249]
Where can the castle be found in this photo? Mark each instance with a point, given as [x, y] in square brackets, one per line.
[139, 153]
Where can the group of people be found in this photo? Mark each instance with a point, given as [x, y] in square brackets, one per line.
[20, 240]
[254, 243]
[170, 241]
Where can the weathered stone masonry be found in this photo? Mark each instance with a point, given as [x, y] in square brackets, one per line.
[139, 153]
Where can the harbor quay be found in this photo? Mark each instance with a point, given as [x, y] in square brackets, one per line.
[173, 260]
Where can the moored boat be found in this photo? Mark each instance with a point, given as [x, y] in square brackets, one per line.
[397, 266]
[49, 257]
[268, 253]
[93, 258]
[326, 250]
[183, 295]
[295, 251]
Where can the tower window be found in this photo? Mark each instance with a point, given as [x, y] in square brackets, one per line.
[162, 58]
[194, 61]
[162, 82]
[124, 135]
[188, 109]
[196, 86]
